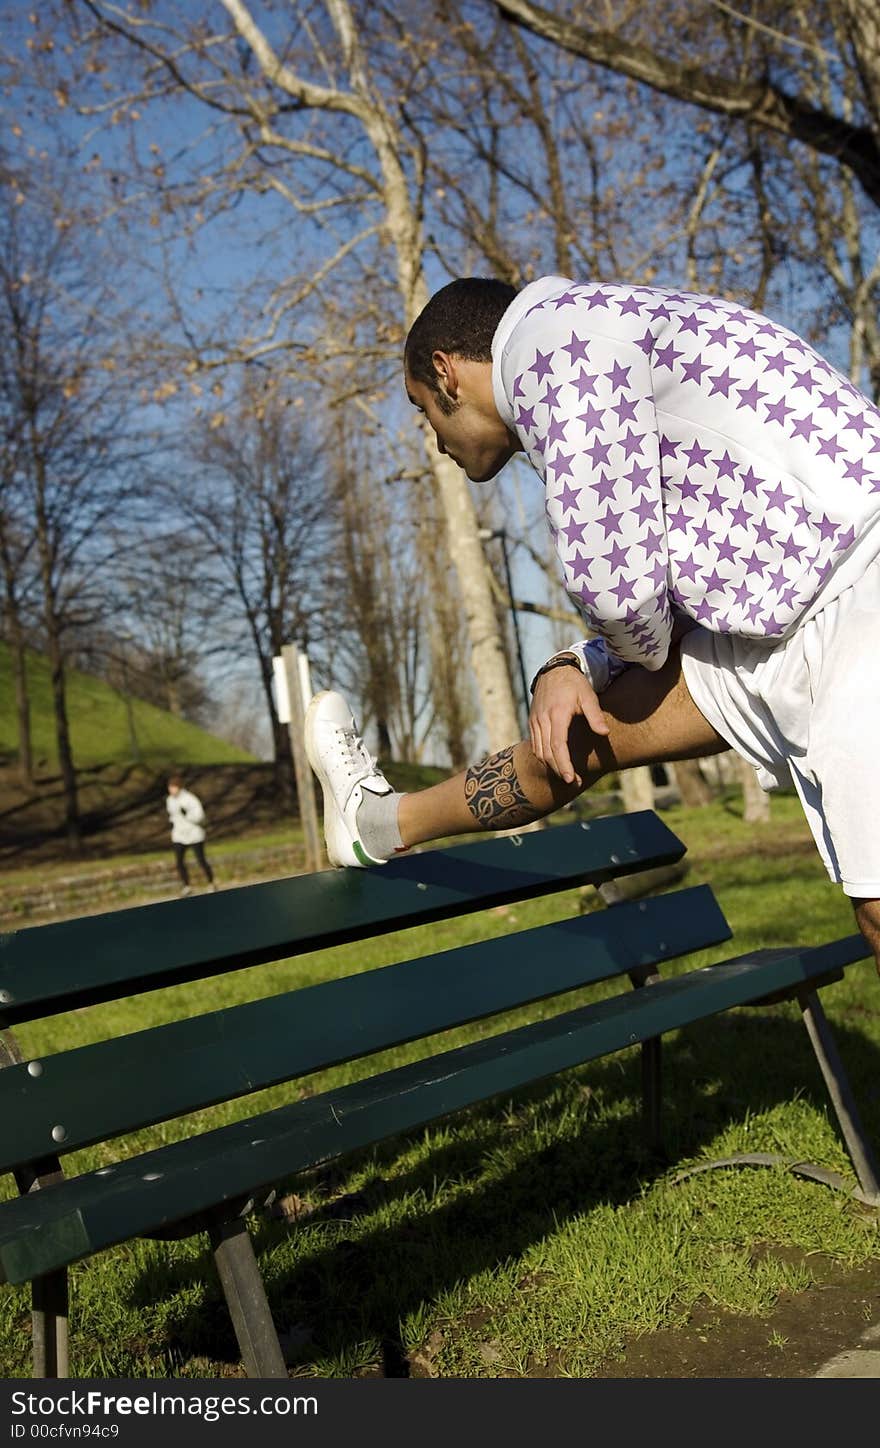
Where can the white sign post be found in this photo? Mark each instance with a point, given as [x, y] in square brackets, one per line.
[293, 691]
[282, 699]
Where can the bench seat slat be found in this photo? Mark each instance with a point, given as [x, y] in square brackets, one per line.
[45, 969]
[53, 1227]
[100, 1091]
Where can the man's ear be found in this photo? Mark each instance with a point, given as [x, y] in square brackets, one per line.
[447, 374]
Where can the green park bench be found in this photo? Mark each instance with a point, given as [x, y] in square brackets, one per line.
[210, 1180]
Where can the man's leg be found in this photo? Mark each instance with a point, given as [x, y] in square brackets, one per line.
[652, 720]
[868, 921]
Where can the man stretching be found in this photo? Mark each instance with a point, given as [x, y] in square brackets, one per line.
[713, 489]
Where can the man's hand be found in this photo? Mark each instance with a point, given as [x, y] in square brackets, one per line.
[560, 696]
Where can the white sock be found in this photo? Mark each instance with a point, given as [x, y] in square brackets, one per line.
[377, 824]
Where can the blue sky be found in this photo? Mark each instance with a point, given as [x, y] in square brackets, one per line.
[226, 269]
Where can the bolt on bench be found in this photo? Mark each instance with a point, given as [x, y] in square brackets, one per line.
[210, 1181]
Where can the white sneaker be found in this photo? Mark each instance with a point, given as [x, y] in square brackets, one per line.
[345, 768]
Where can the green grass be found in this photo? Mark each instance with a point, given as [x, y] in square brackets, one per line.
[68, 870]
[535, 1234]
[105, 727]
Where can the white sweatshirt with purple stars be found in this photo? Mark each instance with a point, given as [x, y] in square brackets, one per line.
[698, 460]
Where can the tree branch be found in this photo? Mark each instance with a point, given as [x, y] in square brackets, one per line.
[765, 104]
[316, 97]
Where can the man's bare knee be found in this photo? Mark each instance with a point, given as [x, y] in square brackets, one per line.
[652, 720]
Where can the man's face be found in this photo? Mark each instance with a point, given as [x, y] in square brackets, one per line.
[473, 436]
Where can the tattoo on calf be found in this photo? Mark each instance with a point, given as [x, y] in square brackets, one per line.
[494, 795]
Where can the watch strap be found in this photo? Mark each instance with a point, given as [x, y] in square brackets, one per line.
[559, 661]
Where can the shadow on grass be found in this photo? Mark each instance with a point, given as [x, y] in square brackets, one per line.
[358, 1287]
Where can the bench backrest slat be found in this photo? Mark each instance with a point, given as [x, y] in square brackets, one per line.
[86, 1095]
[51, 968]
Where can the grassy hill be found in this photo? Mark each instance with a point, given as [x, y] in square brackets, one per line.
[123, 749]
[106, 727]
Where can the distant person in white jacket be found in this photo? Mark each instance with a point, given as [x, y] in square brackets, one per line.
[187, 818]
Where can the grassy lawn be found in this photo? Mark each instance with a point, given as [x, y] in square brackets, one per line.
[533, 1235]
[284, 836]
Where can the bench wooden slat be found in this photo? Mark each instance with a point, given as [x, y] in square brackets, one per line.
[103, 1090]
[49, 968]
[51, 1228]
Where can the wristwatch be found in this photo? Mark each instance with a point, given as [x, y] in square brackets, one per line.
[557, 662]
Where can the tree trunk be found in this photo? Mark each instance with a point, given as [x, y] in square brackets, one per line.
[23, 717]
[172, 697]
[62, 736]
[690, 782]
[133, 742]
[383, 734]
[22, 703]
[282, 769]
[19, 668]
[756, 804]
[637, 788]
[487, 645]
[55, 654]
[450, 690]
[488, 657]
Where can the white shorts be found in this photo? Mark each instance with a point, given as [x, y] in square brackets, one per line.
[805, 712]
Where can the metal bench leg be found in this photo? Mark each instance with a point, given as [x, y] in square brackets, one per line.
[652, 1070]
[841, 1095]
[49, 1303]
[652, 1050]
[652, 1093]
[246, 1298]
[49, 1325]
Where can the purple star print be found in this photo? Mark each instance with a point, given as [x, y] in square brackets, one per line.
[692, 452]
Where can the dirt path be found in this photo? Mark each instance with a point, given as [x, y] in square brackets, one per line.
[831, 1330]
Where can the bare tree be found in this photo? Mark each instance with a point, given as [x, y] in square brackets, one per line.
[162, 598]
[160, 636]
[250, 522]
[64, 418]
[832, 237]
[764, 97]
[307, 122]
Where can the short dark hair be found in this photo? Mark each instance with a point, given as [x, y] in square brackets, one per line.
[462, 319]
